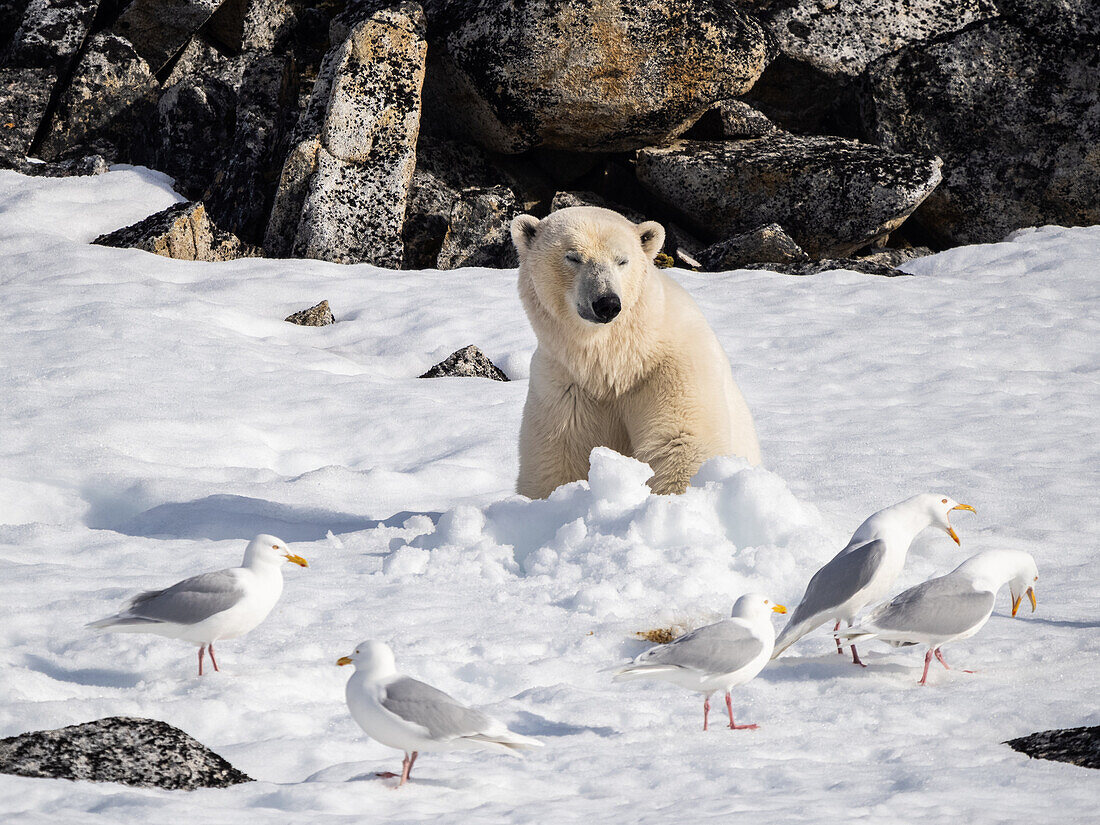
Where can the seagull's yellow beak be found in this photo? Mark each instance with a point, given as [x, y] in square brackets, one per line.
[950, 531]
[1016, 605]
[1019, 600]
[344, 660]
[779, 608]
[298, 560]
[1031, 595]
[964, 507]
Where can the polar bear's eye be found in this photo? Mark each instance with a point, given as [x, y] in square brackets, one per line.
[622, 262]
[573, 257]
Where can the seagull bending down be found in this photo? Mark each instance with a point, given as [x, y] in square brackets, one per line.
[212, 606]
[411, 716]
[952, 607]
[865, 569]
[718, 656]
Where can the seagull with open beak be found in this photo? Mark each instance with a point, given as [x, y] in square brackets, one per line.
[864, 571]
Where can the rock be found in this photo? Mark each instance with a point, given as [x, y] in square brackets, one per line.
[832, 196]
[729, 119]
[1078, 746]
[182, 231]
[479, 231]
[315, 316]
[563, 200]
[193, 128]
[468, 362]
[251, 25]
[201, 58]
[1014, 118]
[143, 752]
[241, 193]
[11, 14]
[110, 94]
[896, 257]
[861, 265]
[41, 50]
[345, 186]
[24, 98]
[1059, 21]
[510, 76]
[82, 166]
[765, 244]
[159, 29]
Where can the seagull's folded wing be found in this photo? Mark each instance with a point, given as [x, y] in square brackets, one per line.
[938, 608]
[440, 715]
[725, 647]
[189, 601]
[838, 581]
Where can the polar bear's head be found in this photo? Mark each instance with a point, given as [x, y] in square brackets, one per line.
[584, 265]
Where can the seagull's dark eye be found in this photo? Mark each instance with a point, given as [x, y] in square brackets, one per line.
[274, 547]
[944, 501]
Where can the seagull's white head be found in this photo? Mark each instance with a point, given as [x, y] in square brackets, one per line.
[938, 509]
[754, 606]
[1024, 576]
[374, 658]
[265, 549]
[992, 569]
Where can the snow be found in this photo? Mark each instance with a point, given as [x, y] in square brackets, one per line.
[158, 414]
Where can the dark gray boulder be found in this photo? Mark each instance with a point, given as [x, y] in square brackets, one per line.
[183, 231]
[468, 362]
[1014, 118]
[159, 29]
[1078, 746]
[861, 265]
[1059, 21]
[345, 183]
[108, 99]
[79, 166]
[142, 752]
[832, 196]
[24, 99]
[252, 25]
[564, 200]
[316, 316]
[731, 119]
[478, 233]
[514, 76]
[192, 130]
[765, 244]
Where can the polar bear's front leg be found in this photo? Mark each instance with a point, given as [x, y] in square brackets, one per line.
[561, 425]
[668, 429]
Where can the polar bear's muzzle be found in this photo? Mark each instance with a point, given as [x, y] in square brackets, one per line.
[597, 300]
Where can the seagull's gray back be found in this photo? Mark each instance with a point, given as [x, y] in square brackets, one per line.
[943, 606]
[723, 647]
[187, 602]
[840, 579]
[444, 717]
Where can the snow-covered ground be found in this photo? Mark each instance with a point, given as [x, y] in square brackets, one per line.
[157, 414]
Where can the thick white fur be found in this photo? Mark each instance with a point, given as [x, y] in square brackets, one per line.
[653, 383]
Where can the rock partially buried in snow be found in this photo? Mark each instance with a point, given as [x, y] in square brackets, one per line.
[608, 75]
[765, 244]
[468, 362]
[316, 316]
[831, 195]
[142, 752]
[1078, 746]
[182, 231]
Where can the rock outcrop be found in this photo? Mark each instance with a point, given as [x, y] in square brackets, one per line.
[468, 362]
[478, 233]
[142, 752]
[316, 316]
[765, 244]
[184, 232]
[832, 196]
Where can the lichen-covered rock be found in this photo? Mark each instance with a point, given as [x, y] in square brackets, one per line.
[468, 362]
[479, 230]
[241, 192]
[110, 94]
[316, 316]
[142, 752]
[730, 119]
[80, 166]
[1059, 21]
[50, 34]
[184, 232]
[831, 195]
[345, 184]
[251, 25]
[193, 128]
[1014, 118]
[1078, 746]
[587, 75]
[202, 58]
[765, 244]
[564, 200]
[159, 29]
[803, 268]
[24, 98]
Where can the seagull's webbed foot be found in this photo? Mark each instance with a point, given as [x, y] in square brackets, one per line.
[855, 658]
[734, 725]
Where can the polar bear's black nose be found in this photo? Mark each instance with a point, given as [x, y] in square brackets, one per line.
[606, 307]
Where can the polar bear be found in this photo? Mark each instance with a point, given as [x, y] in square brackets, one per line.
[625, 358]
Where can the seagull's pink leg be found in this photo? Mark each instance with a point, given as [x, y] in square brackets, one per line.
[210, 647]
[202, 650]
[927, 662]
[706, 710]
[839, 646]
[729, 707]
[392, 775]
[944, 663]
[855, 658]
[406, 767]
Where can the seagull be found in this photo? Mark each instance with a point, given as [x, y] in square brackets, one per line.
[407, 714]
[952, 607]
[212, 606]
[865, 569]
[717, 656]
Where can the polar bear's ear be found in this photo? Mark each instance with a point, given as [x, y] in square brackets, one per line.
[524, 228]
[652, 236]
